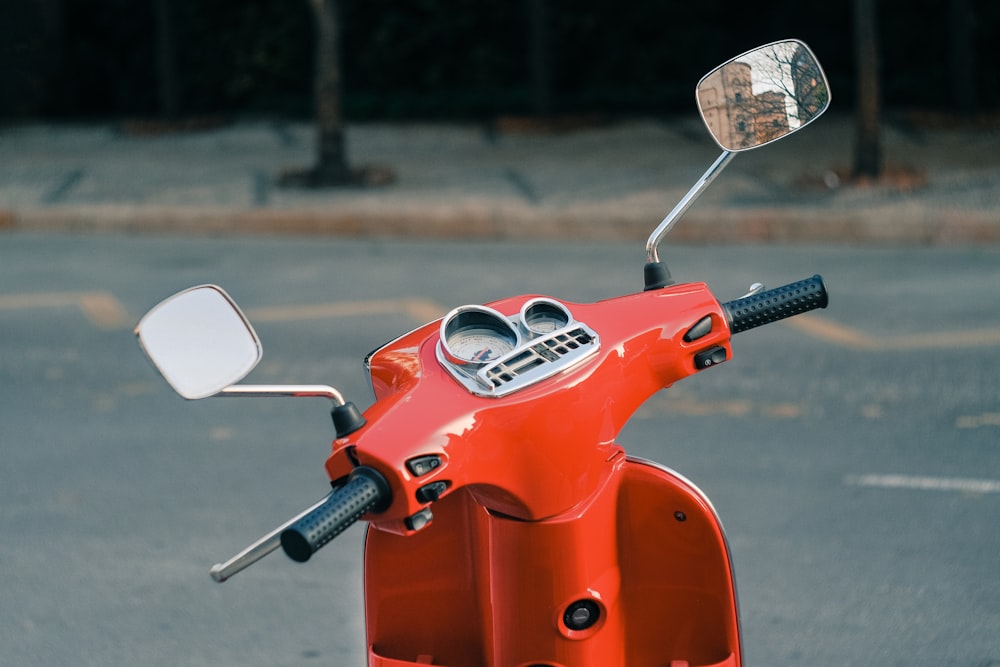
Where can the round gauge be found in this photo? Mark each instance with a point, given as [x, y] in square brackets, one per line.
[544, 316]
[476, 335]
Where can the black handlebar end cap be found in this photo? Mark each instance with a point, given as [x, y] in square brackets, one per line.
[655, 276]
[296, 546]
[347, 419]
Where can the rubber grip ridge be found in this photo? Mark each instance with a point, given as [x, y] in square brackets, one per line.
[776, 304]
[366, 490]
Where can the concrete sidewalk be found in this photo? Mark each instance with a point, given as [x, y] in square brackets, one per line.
[614, 181]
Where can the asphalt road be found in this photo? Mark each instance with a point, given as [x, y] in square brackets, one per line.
[854, 457]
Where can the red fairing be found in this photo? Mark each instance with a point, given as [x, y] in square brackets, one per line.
[540, 451]
[542, 508]
[475, 589]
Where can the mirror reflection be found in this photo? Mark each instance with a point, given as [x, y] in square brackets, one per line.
[199, 341]
[763, 95]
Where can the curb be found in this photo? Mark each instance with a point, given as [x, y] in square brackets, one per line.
[490, 220]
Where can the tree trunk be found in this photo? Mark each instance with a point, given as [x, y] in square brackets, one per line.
[170, 101]
[31, 37]
[867, 155]
[541, 79]
[331, 168]
[963, 58]
[331, 165]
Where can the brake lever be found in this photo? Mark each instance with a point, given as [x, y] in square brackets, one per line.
[222, 571]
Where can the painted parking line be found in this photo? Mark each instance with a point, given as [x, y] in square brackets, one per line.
[844, 336]
[661, 404]
[102, 308]
[422, 310]
[831, 332]
[817, 327]
[984, 419]
[959, 484]
[105, 312]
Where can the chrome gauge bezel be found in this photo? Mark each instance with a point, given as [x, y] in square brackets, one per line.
[543, 316]
[486, 324]
[541, 340]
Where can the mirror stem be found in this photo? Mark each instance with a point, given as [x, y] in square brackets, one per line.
[684, 204]
[278, 390]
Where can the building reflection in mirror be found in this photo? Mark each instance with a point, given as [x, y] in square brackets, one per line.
[762, 95]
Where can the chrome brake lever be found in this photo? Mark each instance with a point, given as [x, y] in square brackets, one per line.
[755, 288]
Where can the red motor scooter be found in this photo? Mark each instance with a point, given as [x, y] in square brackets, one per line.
[506, 526]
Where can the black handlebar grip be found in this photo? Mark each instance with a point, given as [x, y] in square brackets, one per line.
[366, 490]
[776, 304]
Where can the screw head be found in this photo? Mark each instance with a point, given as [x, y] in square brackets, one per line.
[581, 615]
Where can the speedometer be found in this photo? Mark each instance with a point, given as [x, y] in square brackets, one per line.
[476, 335]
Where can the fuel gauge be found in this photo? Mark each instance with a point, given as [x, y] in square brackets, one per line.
[542, 316]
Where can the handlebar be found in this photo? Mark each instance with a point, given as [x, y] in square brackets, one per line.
[366, 490]
[772, 305]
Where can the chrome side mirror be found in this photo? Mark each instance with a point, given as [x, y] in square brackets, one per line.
[199, 341]
[751, 100]
[763, 95]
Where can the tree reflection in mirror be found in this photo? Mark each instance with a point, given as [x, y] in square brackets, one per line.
[763, 95]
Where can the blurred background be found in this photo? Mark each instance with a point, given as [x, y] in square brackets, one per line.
[462, 60]
[115, 497]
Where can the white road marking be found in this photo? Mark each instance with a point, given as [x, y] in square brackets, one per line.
[960, 484]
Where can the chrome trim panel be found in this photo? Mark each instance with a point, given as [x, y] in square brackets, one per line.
[536, 357]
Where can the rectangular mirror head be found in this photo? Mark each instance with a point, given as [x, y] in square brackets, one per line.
[199, 341]
[763, 95]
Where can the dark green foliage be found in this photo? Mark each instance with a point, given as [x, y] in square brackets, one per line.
[457, 58]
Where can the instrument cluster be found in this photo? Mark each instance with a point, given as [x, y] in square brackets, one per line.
[492, 354]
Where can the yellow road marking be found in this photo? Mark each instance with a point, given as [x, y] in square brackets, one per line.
[419, 309]
[102, 309]
[831, 332]
[976, 421]
[693, 407]
[105, 312]
[946, 339]
[838, 334]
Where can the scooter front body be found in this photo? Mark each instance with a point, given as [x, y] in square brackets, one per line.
[506, 525]
[547, 545]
